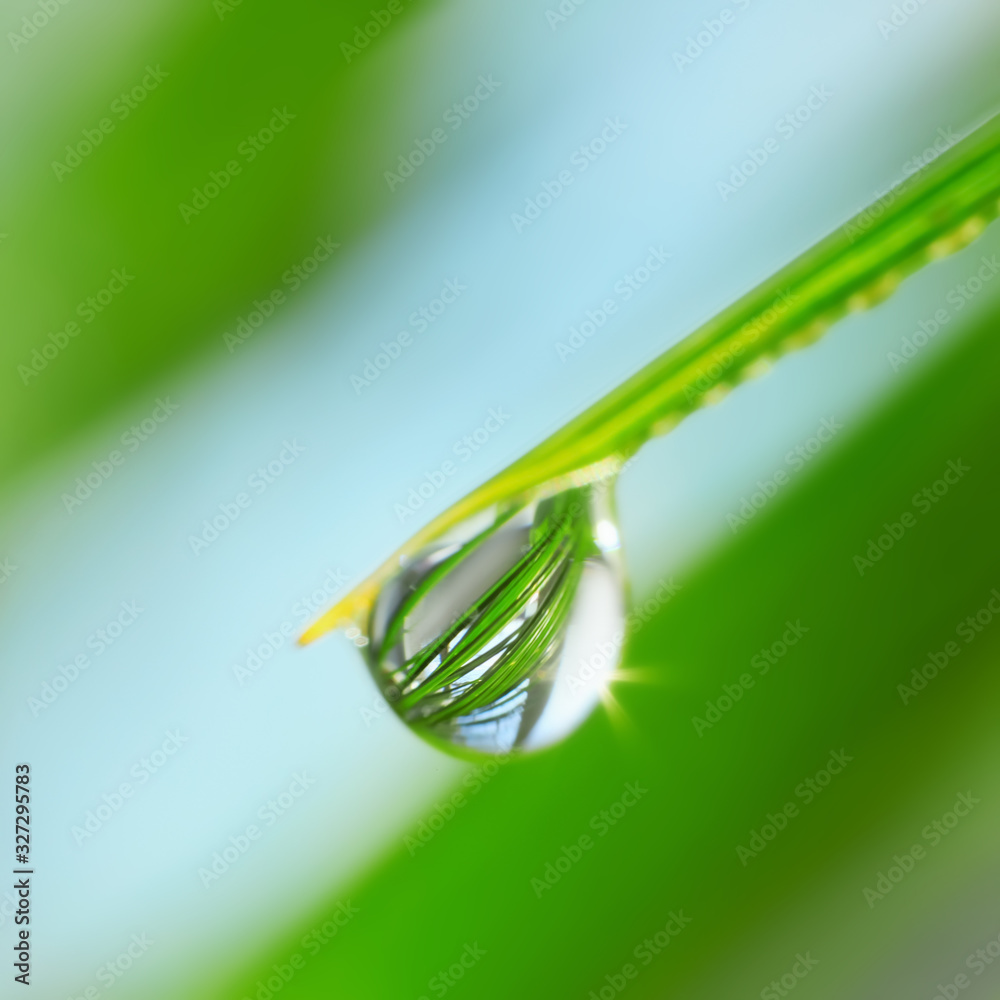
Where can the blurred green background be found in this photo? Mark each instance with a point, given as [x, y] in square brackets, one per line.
[223, 71]
[472, 885]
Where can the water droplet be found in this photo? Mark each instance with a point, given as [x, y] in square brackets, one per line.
[503, 634]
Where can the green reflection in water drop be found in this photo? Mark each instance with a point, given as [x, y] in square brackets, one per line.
[480, 641]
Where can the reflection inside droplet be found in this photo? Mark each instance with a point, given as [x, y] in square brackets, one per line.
[503, 634]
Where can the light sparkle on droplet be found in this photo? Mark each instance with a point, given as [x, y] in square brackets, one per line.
[607, 535]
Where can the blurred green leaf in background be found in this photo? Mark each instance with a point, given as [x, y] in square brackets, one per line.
[148, 118]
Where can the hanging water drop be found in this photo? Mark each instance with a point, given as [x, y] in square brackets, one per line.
[503, 634]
